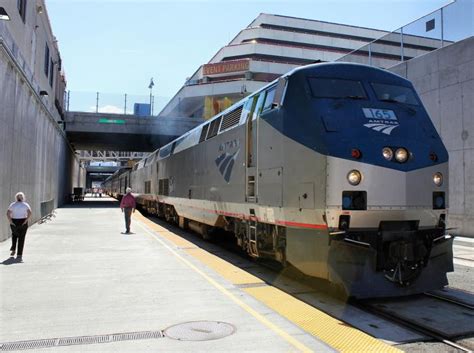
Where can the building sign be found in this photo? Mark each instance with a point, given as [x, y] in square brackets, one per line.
[111, 121]
[225, 67]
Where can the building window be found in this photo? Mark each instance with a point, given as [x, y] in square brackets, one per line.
[22, 9]
[46, 60]
[51, 73]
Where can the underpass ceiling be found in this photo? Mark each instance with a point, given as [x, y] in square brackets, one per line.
[117, 142]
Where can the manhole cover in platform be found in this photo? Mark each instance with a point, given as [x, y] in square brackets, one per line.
[199, 331]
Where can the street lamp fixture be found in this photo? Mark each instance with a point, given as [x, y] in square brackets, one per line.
[150, 86]
[43, 93]
[3, 15]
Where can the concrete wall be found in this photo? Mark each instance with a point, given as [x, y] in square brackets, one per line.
[445, 81]
[35, 156]
[27, 40]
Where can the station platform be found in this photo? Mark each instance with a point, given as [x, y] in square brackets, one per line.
[84, 286]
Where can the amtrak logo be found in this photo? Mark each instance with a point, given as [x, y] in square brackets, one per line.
[381, 120]
[382, 127]
[225, 162]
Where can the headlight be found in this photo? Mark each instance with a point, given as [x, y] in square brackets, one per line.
[354, 177]
[387, 153]
[438, 179]
[401, 155]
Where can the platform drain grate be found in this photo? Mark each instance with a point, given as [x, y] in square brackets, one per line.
[80, 340]
[14, 346]
[199, 331]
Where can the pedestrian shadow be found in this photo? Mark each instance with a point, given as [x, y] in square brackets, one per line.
[11, 260]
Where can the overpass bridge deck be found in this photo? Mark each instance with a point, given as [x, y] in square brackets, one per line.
[119, 132]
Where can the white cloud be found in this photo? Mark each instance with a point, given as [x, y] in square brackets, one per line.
[108, 109]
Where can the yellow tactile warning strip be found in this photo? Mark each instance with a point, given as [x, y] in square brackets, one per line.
[333, 332]
[176, 239]
[225, 269]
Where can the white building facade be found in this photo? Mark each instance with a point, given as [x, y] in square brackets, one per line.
[273, 45]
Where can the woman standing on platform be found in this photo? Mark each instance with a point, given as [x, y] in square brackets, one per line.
[18, 214]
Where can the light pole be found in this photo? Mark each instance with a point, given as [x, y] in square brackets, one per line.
[150, 86]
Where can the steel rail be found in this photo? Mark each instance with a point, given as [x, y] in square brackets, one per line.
[412, 325]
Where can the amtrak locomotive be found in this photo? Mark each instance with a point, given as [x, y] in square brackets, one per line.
[333, 168]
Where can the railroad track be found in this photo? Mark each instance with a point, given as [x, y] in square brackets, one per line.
[446, 333]
[450, 300]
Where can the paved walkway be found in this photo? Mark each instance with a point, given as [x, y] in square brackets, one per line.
[81, 277]
[464, 251]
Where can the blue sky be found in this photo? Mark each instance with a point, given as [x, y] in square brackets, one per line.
[116, 46]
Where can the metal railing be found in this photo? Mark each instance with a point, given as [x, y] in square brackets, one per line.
[99, 102]
[449, 24]
[46, 211]
[109, 155]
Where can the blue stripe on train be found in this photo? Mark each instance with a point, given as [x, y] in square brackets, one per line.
[335, 126]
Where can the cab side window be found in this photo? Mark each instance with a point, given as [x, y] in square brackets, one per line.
[269, 97]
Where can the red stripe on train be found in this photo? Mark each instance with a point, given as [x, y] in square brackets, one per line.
[253, 218]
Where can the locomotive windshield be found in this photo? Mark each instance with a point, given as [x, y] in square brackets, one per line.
[336, 88]
[392, 93]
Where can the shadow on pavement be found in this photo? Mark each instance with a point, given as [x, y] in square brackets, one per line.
[11, 260]
[224, 246]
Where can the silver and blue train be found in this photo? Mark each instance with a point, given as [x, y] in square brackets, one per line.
[333, 168]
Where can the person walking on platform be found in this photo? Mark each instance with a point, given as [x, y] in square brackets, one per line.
[18, 214]
[128, 206]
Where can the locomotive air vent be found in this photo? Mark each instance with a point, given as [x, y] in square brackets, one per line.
[231, 119]
[214, 128]
[204, 132]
